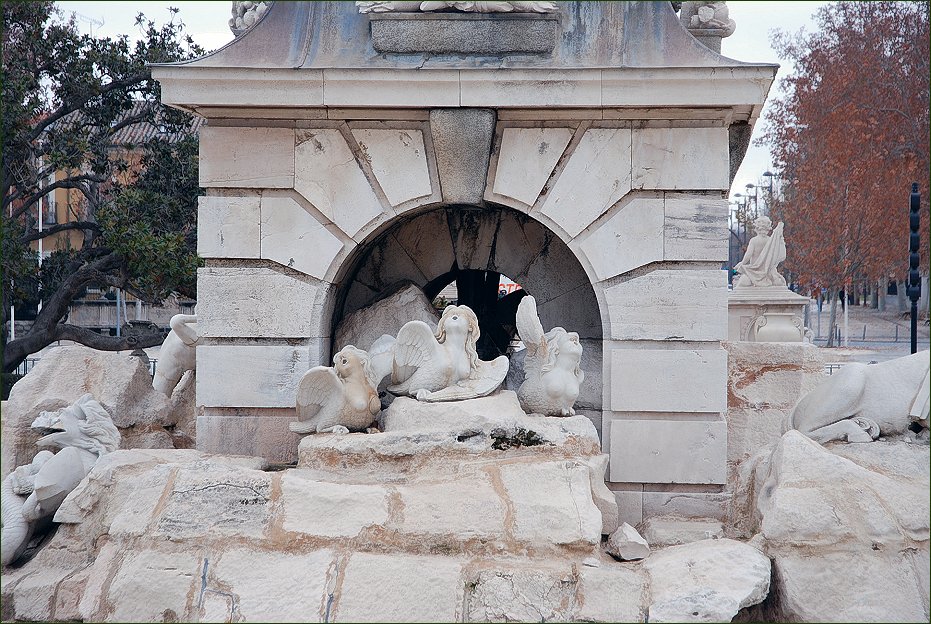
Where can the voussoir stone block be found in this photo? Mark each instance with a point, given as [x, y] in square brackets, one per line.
[665, 451]
[695, 228]
[250, 375]
[294, 238]
[399, 161]
[631, 238]
[669, 380]
[670, 305]
[462, 141]
[595, 178]
[328, 176]
[680, 158]
[526, 158]
[234, 302]
[246, 157]
[228, 227]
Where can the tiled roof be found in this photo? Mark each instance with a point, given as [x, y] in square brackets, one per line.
[139, 133]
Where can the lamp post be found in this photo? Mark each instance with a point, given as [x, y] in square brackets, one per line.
[770, 176]
[756, 198]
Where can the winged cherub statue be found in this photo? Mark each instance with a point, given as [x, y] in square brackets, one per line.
[444, 366]
[339, 398]
[551, 366]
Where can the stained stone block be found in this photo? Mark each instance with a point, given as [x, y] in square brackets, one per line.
[250, 376]
[670, 305]
[526, 158]
[234, 302]
[158, 582]
[695, 228]
[630, 238]
[595, 178]
[668, 380]
[451, 33]
[335, 510]
[228, 227]
[257, 432]
[680, 158]
[295, 239]
[246, 157]
[462, 141]
[663, 451]
[398, 160]
[456, 511]
[328, 176]
[555, 88]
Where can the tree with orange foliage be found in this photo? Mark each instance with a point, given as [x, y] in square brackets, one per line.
[850, 134]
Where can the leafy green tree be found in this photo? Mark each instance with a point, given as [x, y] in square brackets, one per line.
[66, 96]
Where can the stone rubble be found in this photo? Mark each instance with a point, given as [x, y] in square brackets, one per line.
[626, 544]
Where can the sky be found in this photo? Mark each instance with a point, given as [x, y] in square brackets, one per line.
[207, 24]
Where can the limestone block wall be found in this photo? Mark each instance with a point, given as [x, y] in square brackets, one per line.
[293, 204]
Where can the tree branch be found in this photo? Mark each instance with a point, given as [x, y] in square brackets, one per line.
[35, 235]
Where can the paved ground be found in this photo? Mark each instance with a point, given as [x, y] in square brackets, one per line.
[886, 334]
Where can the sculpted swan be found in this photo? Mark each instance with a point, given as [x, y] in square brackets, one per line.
[444, 366]
[338, 399]
[552, 365]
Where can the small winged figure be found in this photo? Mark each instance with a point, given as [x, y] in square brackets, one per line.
[339, 398]
[444, 366]
[552, 365]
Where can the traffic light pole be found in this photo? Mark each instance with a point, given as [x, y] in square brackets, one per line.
[914, 244]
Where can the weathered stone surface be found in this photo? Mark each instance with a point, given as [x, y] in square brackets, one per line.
[266, 586]
[455, 511]
[228, 227]
[159, 583]
[612, 594]
[462, 141]
[595, 178]
[393, 588]
[654, 380]
[680, 158]
[398, 160]
[666, 451]
[603, 497]
[266, 376]
[526, 87]
[685, 504]
[232, 302]
[675, 530]
[258, 432]
[627, 545]
[328, 509]
[526, 158]
[522, 595]
[707, 581]
[328, 176]
[121, 383]
[670, 305]
[695, 228]
[292, 237]
[552, 503]
[246, 157]
[632, 237]
[386, 316]
[453, 33]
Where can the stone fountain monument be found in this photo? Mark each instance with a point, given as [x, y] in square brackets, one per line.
[584, 151]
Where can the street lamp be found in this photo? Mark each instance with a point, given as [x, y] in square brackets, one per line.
[756, 198]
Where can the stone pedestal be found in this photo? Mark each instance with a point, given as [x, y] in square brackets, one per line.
[765, 315]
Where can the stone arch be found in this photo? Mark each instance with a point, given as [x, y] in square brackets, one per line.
[422, 247]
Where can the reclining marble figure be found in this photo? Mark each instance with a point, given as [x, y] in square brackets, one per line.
[551, 366]
[178, 353]
[339, 398]
[860, 402]
[34, 492]
[444, 366]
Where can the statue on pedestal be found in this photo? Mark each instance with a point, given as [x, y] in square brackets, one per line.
[765, 252]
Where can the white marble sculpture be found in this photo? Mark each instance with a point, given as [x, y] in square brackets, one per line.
[860, 402]
[467, 7]
[444, 366]
[552, 365]
[765, 252]
[245, 14]
[698, 16]
[338, 399]
[178, 353]
[32, 493]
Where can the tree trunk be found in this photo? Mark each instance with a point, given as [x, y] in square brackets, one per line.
[900, 296]
[883, 289]
[833, 294]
